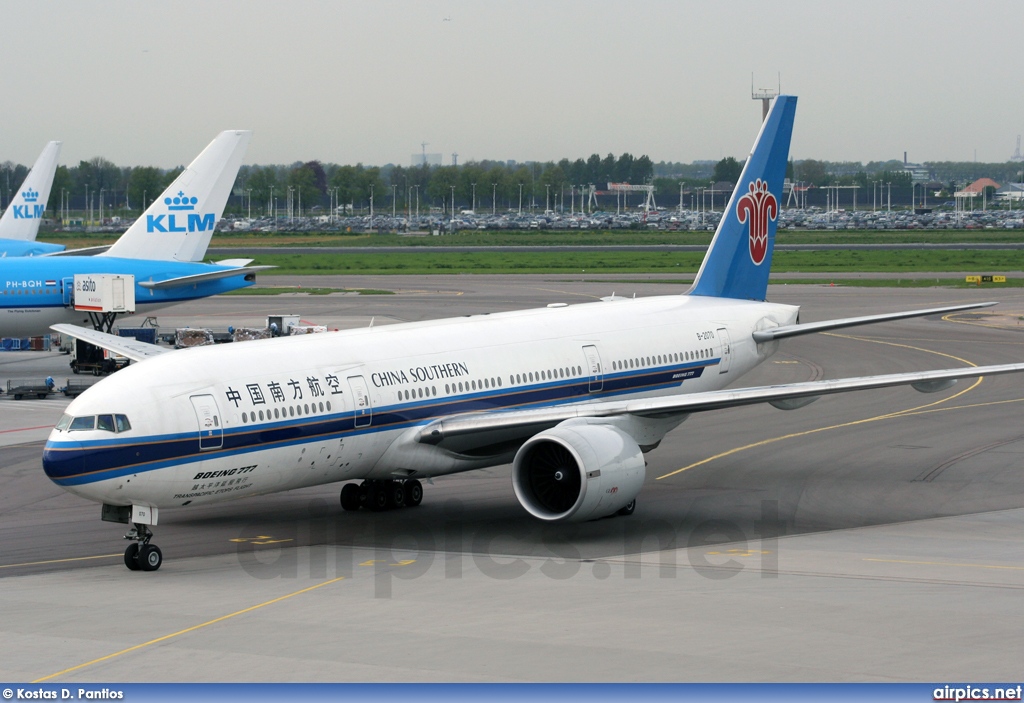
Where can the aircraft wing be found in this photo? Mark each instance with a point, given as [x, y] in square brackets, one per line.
[464, 432]
[125, 346]
[809, 328]
[84, 251]
[200, 277]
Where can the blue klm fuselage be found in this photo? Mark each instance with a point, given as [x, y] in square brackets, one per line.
[20, 247]
[38, 292]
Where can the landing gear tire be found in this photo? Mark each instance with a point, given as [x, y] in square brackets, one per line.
[131, 557]
[350, 497]
[396, 494]
[141, 555]
[377, 498]
[628, 508]
[150, 557]
[413, 493]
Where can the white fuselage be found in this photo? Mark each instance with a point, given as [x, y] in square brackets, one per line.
[215, 423]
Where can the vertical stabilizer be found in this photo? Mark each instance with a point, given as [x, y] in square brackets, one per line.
[22, 217]
[179, 224]
[740, 255]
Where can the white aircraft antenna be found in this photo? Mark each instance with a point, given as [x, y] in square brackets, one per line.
[371, 321]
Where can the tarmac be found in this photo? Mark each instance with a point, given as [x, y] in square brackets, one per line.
[874, 536]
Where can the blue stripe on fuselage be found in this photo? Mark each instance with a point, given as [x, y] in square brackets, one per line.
[77, 463]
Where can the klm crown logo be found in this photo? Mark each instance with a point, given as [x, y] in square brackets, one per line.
[32, 211]
[181, 203]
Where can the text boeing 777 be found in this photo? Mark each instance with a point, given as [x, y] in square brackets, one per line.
[163, 250]
[573, 396]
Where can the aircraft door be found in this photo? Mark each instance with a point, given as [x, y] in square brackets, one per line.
[361, 406]
[723, 339]
[68, 291]
[594, 368]
[211, 430]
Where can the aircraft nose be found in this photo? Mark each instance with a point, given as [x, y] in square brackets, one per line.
[61, 461]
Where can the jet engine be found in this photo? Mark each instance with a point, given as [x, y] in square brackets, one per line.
[577, 472]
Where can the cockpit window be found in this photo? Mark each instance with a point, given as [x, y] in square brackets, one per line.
[107, 423]
[82, 423]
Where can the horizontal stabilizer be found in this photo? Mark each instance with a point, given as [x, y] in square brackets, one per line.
[201, 277]
[84, 251]
[125, 346]
[812, 327]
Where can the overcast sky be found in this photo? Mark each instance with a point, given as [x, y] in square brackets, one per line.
[150, 83]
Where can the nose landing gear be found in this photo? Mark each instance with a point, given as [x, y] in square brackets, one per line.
[142, 556]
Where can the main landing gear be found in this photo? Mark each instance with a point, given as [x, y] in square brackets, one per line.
[377, 494]
[142, 556]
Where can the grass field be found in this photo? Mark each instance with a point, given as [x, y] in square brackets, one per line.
[426, 255]
[430, 262]
[595, 238]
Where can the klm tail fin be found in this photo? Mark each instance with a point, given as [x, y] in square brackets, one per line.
[740, 255]
[22, 217]
[179, 224]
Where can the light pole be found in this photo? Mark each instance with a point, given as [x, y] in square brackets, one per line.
[451, 219]
[547, 198]
[371, 202]
[520, 199]
[270, 205]
[101, 205]
[417, 201]
[474, 197]
[494, 195]
[248, 192]
[393, 197]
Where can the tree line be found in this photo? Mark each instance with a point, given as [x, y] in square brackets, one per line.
[484, 185]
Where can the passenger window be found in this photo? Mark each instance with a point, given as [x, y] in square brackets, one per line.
[105, 423]
[82, 423]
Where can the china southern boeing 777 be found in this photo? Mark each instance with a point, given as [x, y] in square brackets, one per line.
[572, 396]
[20, 222]
[163, 250]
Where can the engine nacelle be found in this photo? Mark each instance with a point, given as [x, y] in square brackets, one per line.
[577, 472]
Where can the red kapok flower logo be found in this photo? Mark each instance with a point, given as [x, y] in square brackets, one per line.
[759, 206]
